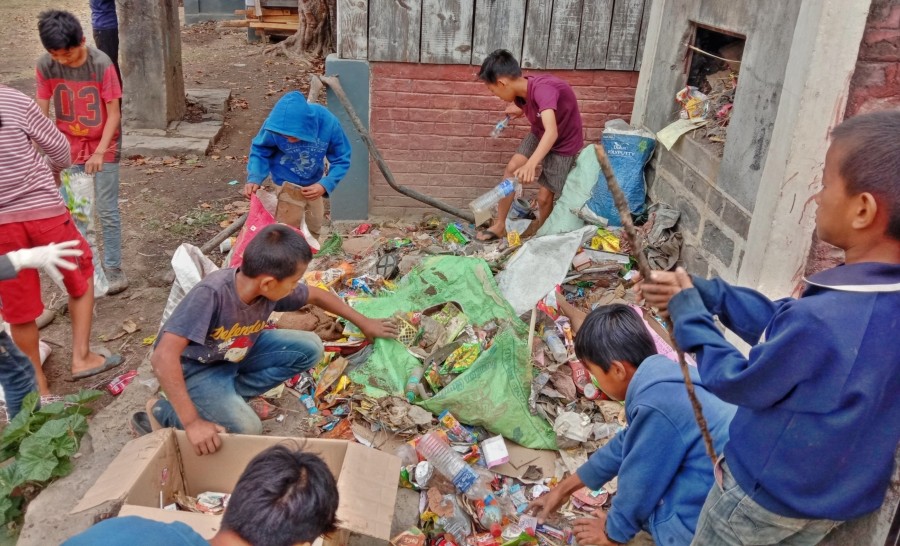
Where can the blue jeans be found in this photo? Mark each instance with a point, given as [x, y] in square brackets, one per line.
[106, 203]
[220, 390]
[731, 518]
[16, 374]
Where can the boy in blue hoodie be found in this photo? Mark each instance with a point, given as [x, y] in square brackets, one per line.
[813, 441]
[664, 471]
[292, 146]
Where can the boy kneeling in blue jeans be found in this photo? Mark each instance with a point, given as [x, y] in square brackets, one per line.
[214, 352]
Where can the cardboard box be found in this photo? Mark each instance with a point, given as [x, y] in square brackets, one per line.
[291, 205]
[150, 470]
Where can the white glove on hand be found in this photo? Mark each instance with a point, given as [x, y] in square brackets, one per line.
[50, 258]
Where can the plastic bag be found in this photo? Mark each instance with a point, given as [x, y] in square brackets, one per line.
[577, 190]
[503, 370]
[694, 104]
[629, 150]
[261, 214]
[78, 192]
[190, 266]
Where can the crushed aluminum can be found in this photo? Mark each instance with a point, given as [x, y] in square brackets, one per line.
[118, 384]
[361, 229]
[424, 473]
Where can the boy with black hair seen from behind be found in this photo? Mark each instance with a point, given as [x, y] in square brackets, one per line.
[555, 140]
[660, 459]
[285, 497]
[214, 352]
[818, 421]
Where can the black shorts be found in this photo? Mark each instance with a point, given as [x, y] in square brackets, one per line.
[554, 167]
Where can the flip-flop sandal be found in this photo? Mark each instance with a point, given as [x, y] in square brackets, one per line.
[263, 409]
[491, 236]
[111, 362]
[140, 424]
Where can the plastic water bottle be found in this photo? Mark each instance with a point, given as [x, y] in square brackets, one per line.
[556, 346]
[412, 384]
[491, 519]
[458, 523]
[491, 198]
[451, 464]
[500, 127]
[582, 380]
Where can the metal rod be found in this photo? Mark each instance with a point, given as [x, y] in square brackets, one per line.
[637, 250]
[335, 85]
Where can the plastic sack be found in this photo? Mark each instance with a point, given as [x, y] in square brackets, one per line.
[628, 150]
[503, 370]
[261, 214]
[78, 192]
[577, 190]
[190, 266]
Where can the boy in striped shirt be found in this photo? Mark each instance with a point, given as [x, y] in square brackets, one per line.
[86, 92]
[32, 214]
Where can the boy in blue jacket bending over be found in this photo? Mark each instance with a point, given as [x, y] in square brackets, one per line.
[292, 146]
[664, 471]
[813, 441]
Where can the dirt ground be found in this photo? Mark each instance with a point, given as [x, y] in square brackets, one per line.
[164, 201]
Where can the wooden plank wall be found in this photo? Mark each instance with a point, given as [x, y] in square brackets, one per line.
[551, 34]
[447, 31]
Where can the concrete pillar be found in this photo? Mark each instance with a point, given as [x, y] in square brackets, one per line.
[822, 61]
[350, 200]
[150, 51]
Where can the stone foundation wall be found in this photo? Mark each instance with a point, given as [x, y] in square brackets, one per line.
[714, 225]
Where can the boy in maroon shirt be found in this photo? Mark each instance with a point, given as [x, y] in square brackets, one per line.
[555, 140]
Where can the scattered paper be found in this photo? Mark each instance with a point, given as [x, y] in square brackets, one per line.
[670, 134]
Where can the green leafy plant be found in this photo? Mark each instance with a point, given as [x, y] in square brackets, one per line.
[37, 448]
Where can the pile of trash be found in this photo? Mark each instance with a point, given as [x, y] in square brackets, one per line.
[462, 336]
[481, 396]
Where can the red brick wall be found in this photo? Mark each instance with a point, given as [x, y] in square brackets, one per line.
[876, 82]
[432, 123]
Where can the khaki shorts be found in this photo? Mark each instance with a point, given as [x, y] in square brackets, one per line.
[554, 167]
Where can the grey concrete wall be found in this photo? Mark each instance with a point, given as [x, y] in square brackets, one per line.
[350, 200]
[197, 11]
[717, 195]
[714, 225]
[150, 59]
[875, 528]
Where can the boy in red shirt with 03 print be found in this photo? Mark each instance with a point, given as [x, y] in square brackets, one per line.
[86, 93]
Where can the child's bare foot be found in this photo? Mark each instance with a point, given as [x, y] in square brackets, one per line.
[93, 364]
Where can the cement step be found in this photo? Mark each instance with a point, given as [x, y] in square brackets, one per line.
[156, 146]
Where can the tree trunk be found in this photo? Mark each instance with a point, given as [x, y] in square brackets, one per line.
[315, 37]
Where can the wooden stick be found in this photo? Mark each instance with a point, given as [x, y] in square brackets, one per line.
[335, 85]
[531, 331]
[637, 250]
[224, 234]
